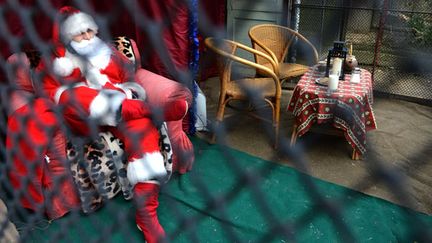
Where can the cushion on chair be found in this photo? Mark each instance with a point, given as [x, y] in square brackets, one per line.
[129, 49]
[99, 170]
[160, 89]
[289, 70]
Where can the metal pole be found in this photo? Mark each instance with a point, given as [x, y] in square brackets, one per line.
[321, 36]
[295, 26]
[296, 15]
[379, 37]
[343, 24]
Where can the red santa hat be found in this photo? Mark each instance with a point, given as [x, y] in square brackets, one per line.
[70, 22]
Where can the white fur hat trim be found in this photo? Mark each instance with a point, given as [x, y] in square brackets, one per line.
[76, 24]
[106, 106]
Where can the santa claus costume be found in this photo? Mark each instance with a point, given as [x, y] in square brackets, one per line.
[90, 81]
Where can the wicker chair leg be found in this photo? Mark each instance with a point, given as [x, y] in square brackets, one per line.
[219, 119]
[276, 143]
[294, 135]
[355, 155]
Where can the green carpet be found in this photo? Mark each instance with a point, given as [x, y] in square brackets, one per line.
[231, 196]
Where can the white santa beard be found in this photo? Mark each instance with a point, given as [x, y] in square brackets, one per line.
[87, 47]
[95, 50]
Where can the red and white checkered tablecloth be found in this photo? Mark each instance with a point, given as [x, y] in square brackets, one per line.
[349, 108]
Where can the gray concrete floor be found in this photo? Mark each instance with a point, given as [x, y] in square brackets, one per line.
[9, 233]
[401, 147]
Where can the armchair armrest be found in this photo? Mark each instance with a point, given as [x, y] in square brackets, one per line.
[22, 91]
[159, 89]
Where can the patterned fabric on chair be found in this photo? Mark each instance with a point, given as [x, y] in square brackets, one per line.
[99, 168]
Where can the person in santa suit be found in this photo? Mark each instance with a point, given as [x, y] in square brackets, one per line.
[92, 84]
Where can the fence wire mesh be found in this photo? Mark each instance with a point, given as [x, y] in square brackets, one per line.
[390, 38]
[396, 51]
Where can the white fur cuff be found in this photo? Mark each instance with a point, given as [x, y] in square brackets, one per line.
[106, 107]
[63, 66]
[77, 23]
[150, 166]
[63, 88]
[95, 79]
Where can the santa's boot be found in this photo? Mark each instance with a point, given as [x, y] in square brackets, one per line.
[146, 201]
[172, 111]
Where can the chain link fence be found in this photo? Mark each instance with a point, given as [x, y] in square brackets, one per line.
[390, 38]
[390, 49]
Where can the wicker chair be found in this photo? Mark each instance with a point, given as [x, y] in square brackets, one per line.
[260, 89]
[276, 40]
